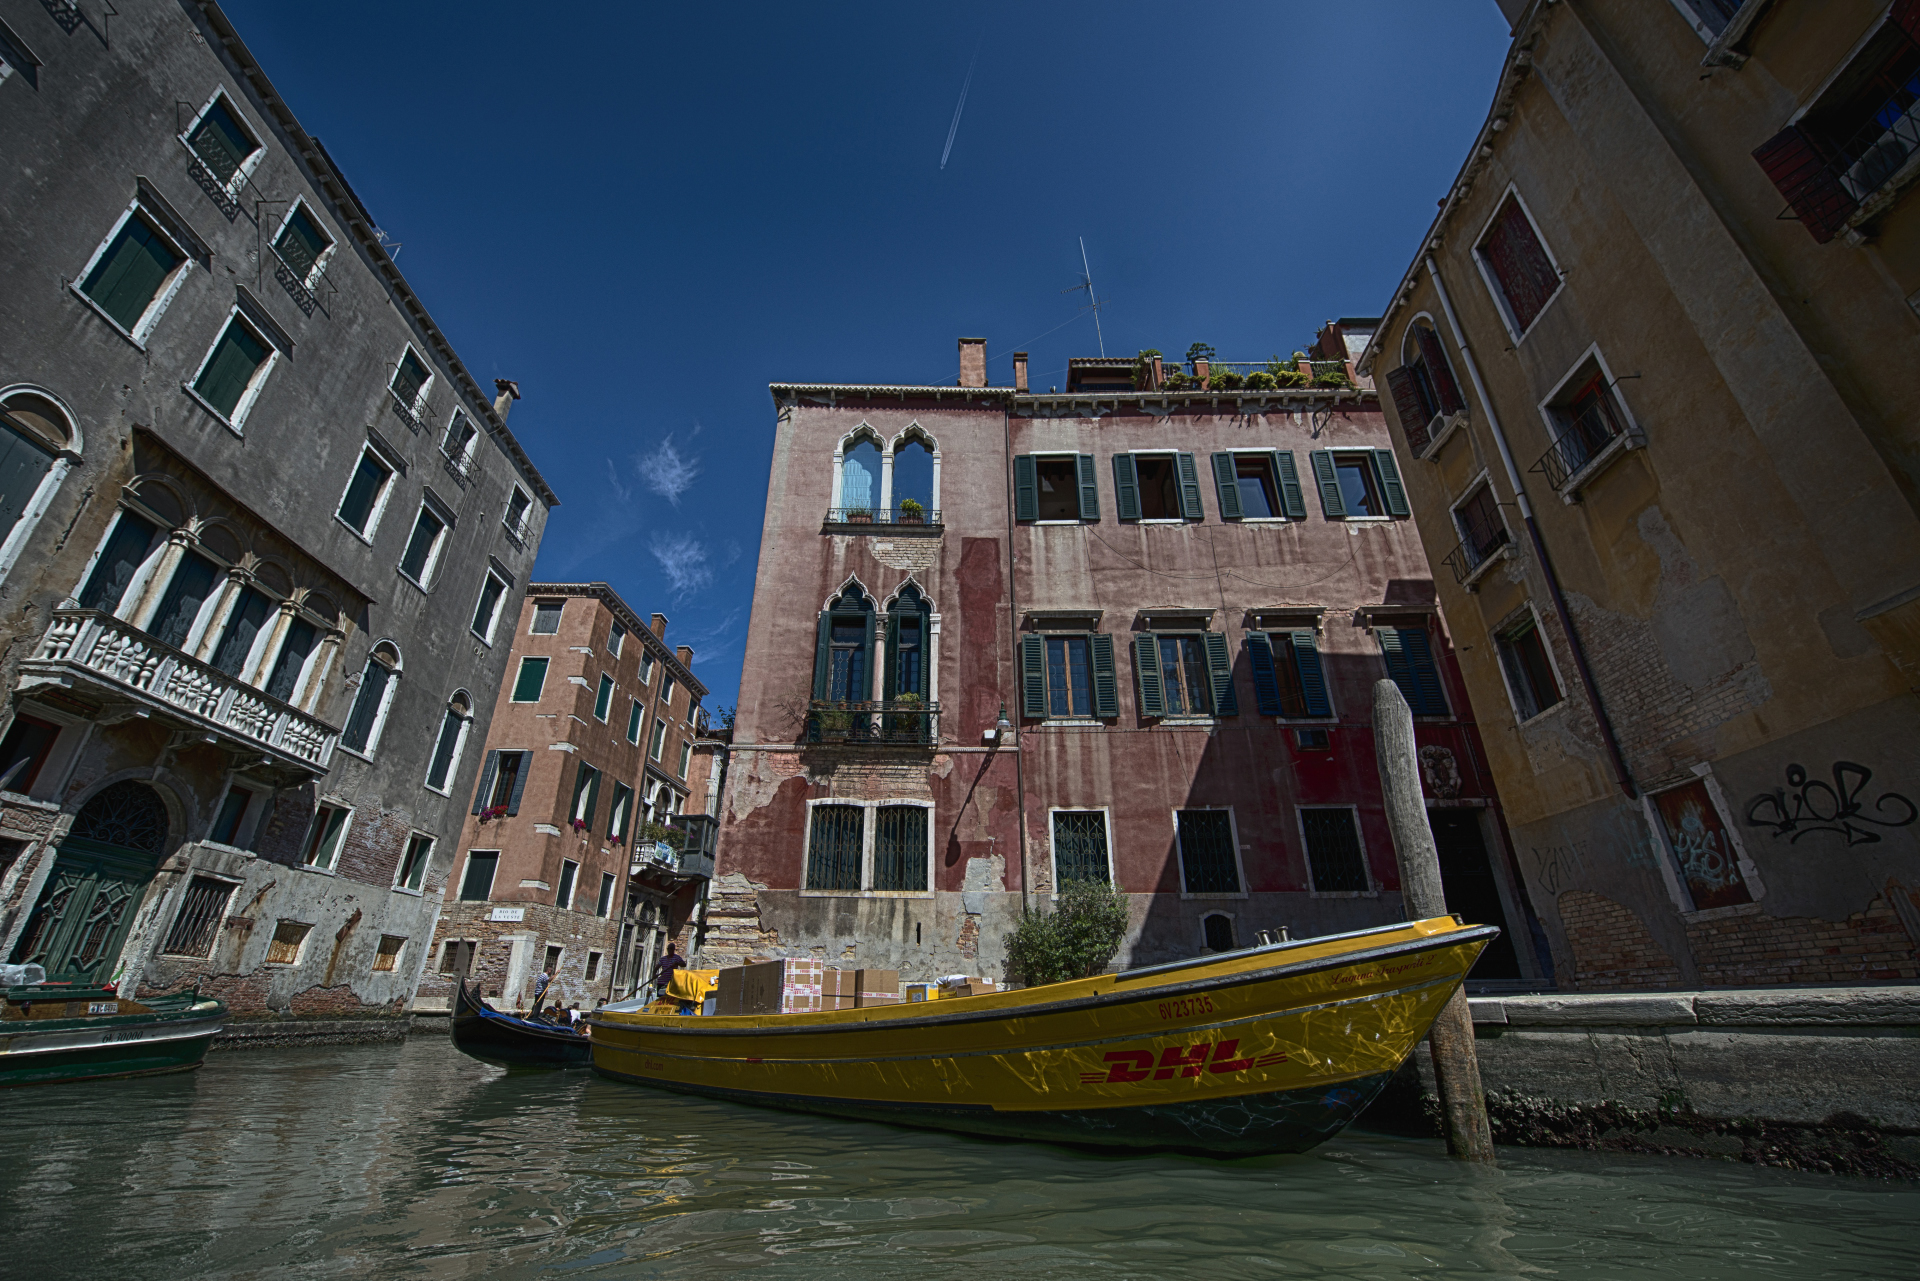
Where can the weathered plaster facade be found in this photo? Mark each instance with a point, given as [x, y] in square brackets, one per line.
[1733, 529]
[190, 596]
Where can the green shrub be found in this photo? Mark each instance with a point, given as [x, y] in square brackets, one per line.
[1261, 380]
[1333, 378]
[1076, 939]
[1177, 380]
[1224, 380]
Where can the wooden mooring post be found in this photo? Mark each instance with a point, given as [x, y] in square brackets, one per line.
[1456, 1067]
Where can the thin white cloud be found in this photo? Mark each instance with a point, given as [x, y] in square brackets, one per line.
[623, 492]
[684, 560]
[668, 472]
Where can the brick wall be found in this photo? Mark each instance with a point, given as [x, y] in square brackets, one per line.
[1752, 949]
[576, 932]
[1611, 948]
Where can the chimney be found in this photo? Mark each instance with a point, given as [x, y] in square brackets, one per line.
[685, 655]
[1201, 366]
[973, 362]
[509, 391]
[1019, 371]
[660, 626]
[1159, 374]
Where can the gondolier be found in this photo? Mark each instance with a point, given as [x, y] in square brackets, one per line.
[663, 969]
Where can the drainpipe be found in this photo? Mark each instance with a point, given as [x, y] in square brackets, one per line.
[1620, 772]
[1013, 656]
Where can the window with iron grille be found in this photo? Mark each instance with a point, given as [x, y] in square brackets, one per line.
[1207, 856]
[593, 964]
[387, 957]
[1333, 850]
[202, 908]
[1080, 847]
[287, 938]
[834, 838]
[1218, 928]
[900, 847]
[1518, 265]
[221, 142]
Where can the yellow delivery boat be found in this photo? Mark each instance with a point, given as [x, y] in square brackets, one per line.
[1270, 1049]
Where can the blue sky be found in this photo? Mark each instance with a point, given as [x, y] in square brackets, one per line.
[646, 213]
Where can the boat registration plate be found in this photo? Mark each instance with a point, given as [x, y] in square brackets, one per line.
[103, 1007]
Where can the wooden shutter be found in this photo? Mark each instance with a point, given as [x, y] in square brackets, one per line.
[1033, 676]
[890, 679]
[1126, 487]
[1313, 681]
[1226, 484]
[1106, 687]
[1220, 675]
[1439, 372]
[1026, 488]
[24, 463]
[1189, 488]
[926, 652]
[1426, 675]
[1395, 655]
[1146, 671]
[1407, 402]
[1390, 487]
[823, 658]
[1266, 684]
[131, 272]
[580, 775]
[1806, 182]
[1089, 489]
[1293, 501]
[520, 781]
[487, 773]
[865, 693]
[1328, 479]
[593, 798]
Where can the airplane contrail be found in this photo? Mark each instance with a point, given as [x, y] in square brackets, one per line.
[954, 129]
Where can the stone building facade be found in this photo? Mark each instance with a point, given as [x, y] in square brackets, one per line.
[260, 528]
[1125, 632]
[1666, 439]
[590, 761]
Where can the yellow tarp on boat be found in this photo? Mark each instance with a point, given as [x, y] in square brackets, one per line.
[692, 985]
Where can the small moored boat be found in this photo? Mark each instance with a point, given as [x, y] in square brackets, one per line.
[53, 1033]
[486, 1034]
[1269, 1049]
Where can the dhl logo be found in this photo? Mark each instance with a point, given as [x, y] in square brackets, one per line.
[1192, 1060]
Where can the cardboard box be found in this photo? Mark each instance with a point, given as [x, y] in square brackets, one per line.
[729, 991]
[869, 1000]
[780, 987]
[839, 982]
[877, 981]
[838, 1003]
[922, 992]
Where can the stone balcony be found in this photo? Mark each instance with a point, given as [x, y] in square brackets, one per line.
[101, 657]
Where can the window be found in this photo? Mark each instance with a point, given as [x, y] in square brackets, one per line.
[843, 648]
[646, 668]
[1156, 487]
[1184, 674]
[477, 885]
[619, 813]
[659, 743]
[1516, 266]
[130, 274]
[1423, 387]
[486, 613]
[686, 758]
[502, 779]
[546, 617]
[1482, 533]
[378, 681]
[666, 691]
[909, 625]
[603, 700]
[532, 679]
[1531, 681]
[409, 383]
[28, 743]
[245, 619]
[616, 638]
[232, 374]
[1333, 851]
[1209, 863]
[187, 591]
[288, 936]
[1055, 487]
[1080, 847]
[423, 546]
[452, 737]
[518, 505]
[1408, 652]
[366, 493]
[1068, 676]
[1358, 483]
[635, 714]
[233, 808]
[291, 664]
[202, 909]
[412, 873]
[386, 957]
[569, 870]
[900, 847]
[860, 478]
[457, 443]
[554, 953]
[324, 836]
[303, 247]
[1217, 929]
[593, 960]
[1709, 17]
[834, 836]
[586, 796]
[1584, 416]
[120, 557]
[223, 144]
[1258, 486]
[1287, 676]
[1703, 846]
[15, 56]
[456, 957]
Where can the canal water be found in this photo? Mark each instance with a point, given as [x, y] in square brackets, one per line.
[414, 1161]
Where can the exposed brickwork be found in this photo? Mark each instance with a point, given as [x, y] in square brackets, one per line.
[1611, 948]
[1755, 950]
[577, 933]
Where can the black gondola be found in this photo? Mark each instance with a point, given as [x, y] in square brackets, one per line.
[486, 1034]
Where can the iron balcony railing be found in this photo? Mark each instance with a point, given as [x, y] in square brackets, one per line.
[1587, 432]
[116, 658]
[1474, 551]
[663, 857]
[880, 724]
[1882, 147]
[882, 516]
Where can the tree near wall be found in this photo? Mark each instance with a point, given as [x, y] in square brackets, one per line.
[1076, 939]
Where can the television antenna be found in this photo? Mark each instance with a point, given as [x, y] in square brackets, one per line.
[1094, 303]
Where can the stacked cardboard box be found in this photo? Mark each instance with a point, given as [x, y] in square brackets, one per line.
[877, 987]
[772, 987]
[922, 991]
[839, 990]
[972, 987]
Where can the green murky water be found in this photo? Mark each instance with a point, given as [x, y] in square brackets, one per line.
[412, 1160]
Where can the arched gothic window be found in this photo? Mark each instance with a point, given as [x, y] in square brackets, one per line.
[37, 443]
[843, 654]
[1423, 387]
[860, 477]
[379, 681]
[909, 652]
[452, 742]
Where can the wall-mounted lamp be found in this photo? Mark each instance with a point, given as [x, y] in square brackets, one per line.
[1001, 728]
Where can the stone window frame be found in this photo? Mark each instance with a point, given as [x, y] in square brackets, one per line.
[396, 670]
[259, 809]
[1360, 839]
[332, 865]
[1670, 863]
[430, 505]
[1496, 632]
[1233, 922]
[869, 829]
[499, 603]
[146, 208]
[866, 432]
[379, 508]
[415, 412]
[325, 256]
[1180, 854]
[466, 865]
[251, 161]
[1440, 425]
[1483, 481]
[426, 862]
[65, 458]
[1106, 812]
[1495, 291]
[236, 421]
[1590, 364]
[461, 704]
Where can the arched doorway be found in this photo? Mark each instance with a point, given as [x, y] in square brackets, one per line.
[105, 861]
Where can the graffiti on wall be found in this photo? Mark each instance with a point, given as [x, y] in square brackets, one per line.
[1702, 846]
[1809, 805]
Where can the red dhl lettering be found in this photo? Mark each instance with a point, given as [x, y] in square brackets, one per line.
[1127, 1066]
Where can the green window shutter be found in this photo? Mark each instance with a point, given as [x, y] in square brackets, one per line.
[1026, 488]
[890, 680]
[1226, 484]
[866, 667]
[130, 273]
[1033, 676]
[1389, 472]
[1089, 490]
[1313, 681]
[1106, 685]
[1146, 670]
[823, 658]
[1292, 500]
[926, 651]
[1328, 479]
[1220, 674]
[1266, 684]
[593, 797]
[1432, 701]
[487, 772]
[230, 368]
[1126, 487]
[520, 781]
[532, 678]
[603, 699]
[1189, 488]
[1395, 655]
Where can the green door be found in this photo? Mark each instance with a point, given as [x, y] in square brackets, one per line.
[88, 904]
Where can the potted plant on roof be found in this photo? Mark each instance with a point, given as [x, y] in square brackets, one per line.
[860, 515]
[911, 512]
